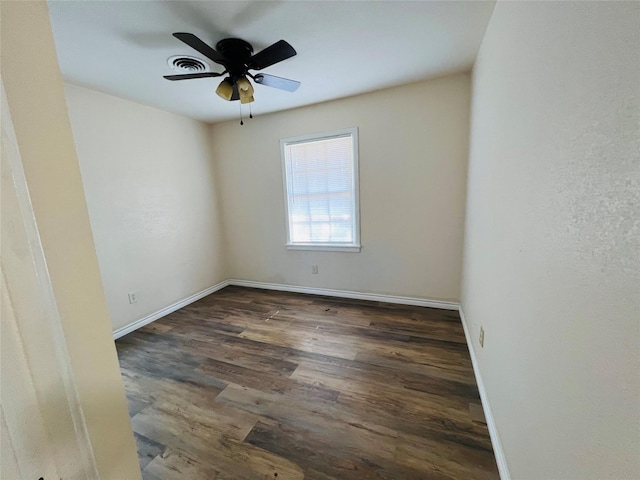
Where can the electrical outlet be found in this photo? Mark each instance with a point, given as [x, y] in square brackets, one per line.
[482, 337]
[133, 297]
[314, 269]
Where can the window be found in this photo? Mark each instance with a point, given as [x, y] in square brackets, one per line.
[321, 188]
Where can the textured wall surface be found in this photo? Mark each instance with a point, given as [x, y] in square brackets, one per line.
[552, 258]
[148, 178]
[413, 145]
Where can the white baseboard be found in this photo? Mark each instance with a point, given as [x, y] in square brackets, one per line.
[167, 310]
[375, 297]
[491, 423]
[285, 288]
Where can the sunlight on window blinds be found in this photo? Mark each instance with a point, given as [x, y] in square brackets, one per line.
[320, 190]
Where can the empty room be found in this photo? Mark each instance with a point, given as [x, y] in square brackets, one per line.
[322, 240]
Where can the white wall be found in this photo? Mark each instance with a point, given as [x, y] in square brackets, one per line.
[413, 145]
[552, 260]
[150, 188]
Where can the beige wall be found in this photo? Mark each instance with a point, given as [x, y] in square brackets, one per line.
[35, 97]
[413, 145]
[150, 191]
[552, 260]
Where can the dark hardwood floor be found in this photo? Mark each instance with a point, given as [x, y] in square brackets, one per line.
[257, 384]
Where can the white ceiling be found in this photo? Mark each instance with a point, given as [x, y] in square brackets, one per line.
[344, 47]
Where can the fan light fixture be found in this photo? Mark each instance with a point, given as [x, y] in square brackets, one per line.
[225, 89]
[245, 90]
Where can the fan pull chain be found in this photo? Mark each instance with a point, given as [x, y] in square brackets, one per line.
[250, 114]
[241, 122]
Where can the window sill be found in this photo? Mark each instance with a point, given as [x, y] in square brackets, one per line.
[323, 247]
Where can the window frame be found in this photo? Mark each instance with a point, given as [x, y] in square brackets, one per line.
[324, 246]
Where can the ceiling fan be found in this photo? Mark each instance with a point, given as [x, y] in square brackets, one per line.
[237, 58]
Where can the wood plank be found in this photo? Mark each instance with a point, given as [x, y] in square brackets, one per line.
[314, 416]
[431, 455]
[211, 446]
[147, 449]
[301, 340]
[176, 465]
[245, 377]
[330, 457]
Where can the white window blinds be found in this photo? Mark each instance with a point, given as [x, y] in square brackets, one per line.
[321, 189]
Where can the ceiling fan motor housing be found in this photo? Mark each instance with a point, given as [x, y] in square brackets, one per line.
[237, 52]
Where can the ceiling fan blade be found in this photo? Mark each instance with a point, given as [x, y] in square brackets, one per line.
[197, 44]
[188, 76]
[276, 82]
[275, 53]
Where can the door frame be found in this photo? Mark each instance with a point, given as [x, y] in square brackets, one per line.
[38, 328]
